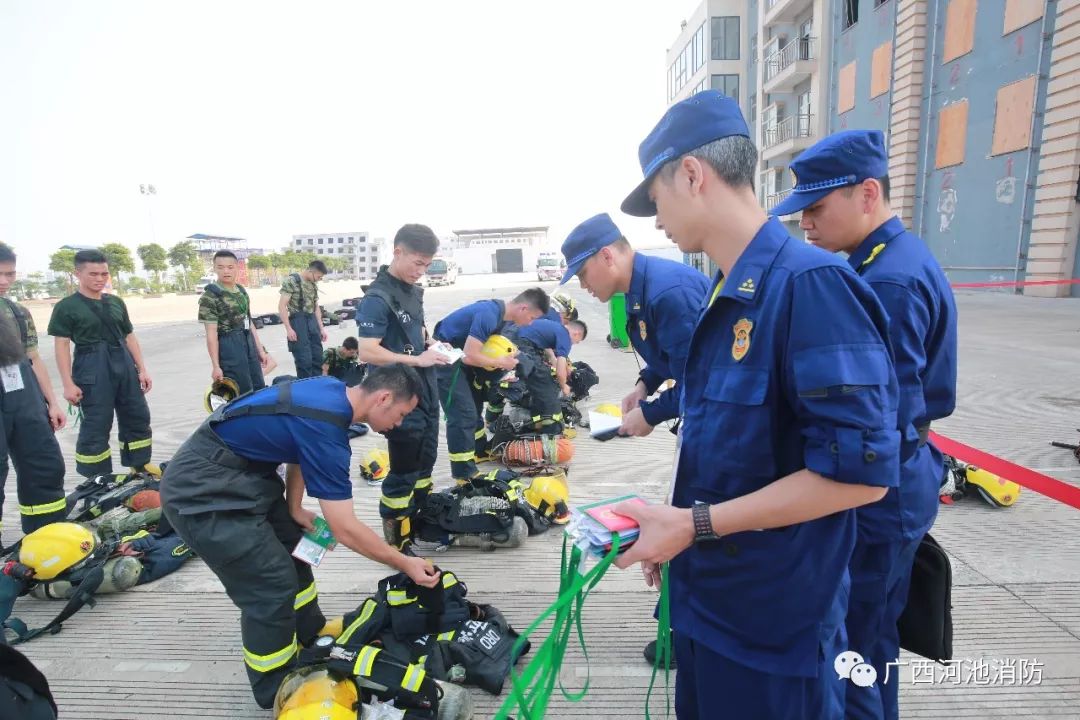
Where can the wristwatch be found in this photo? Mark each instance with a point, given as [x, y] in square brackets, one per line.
[703, 529]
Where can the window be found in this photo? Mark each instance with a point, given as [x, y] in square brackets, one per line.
[727, 84]
[850, 13]
[320, 241]
[725, 38]
[753, 49]
[753, 108]
[698, 49]
[802, 128]
[699, 87]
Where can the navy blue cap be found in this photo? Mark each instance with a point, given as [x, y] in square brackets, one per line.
[687, 125]
[842, 159]
[585, 240]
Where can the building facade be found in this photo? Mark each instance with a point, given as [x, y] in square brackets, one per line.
[361, 251]
[497, 250]
[979, 101]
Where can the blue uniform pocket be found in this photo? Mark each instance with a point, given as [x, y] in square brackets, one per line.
[736, 398]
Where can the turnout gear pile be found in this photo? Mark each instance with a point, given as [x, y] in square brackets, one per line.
[962, 480]
[401, 643]
[581, 380]
[469, 517]
[105, 371]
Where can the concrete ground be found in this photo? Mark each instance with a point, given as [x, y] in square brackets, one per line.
[172, 649]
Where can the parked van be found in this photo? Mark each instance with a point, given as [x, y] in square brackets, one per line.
[550, 266]
[441, 271]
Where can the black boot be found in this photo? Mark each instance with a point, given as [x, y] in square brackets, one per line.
[650, 654]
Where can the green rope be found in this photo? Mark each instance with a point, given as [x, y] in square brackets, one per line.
[663, 644]
[76, 412]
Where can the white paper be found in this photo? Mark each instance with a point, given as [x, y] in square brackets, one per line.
[449, 352]
[600, 423]
[12, 378]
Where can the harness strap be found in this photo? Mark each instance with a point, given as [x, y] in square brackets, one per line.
[84, 595]
[20, 320]
[285, 406]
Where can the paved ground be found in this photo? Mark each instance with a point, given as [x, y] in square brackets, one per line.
[172, 649]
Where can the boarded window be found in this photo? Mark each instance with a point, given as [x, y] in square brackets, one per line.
[881, 70]
[846, 99]
[952, 133]
[960, 28]
[1012, 118]
[1019, 13]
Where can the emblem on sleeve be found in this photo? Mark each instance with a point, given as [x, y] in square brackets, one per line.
[641, 329]
[741, 346]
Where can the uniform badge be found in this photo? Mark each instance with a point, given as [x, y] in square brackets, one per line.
[748, 286]
[741, 346]
[641, 329]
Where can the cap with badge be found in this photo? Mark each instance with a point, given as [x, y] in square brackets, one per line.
[687, 125]
[843, 159]
[585, 240]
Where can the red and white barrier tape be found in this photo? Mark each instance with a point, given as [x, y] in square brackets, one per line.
[1042, 484]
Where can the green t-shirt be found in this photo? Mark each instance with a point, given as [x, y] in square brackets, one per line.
[8, 308]
[337, 363]
[79, 318]
[293, 289]
[228, 311]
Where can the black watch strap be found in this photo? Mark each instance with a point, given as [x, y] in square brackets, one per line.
[703, 529]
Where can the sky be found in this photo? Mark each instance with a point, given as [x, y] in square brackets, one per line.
[265, 119]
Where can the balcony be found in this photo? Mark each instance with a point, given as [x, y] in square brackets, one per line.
[789, 66]
[786, 137]
[784, 11]
[774, 199]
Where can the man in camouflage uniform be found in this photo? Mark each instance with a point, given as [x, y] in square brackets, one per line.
[299, 309]
[29, 415]
[340, 362]
[231, 339]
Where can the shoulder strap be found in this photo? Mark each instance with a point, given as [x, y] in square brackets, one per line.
[215, 290]
[392, 303]
[299, 287]
[102, 312]
[84, 595]
[286, 406]
[20, 319]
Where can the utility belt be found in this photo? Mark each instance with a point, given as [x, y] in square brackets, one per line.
[91, 348]
[301, 313]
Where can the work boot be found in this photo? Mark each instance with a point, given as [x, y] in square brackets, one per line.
[392, 531]
[650, 654]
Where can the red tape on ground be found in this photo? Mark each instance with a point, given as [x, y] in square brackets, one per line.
[1042, 484]
[1018, 283]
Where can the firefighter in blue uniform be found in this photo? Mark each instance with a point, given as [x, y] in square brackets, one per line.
[29, 414]
[842, 189]
[390, 323]
[789, 423]
[107, 374]
[663, 298]
[544, 367]
[462, 385]
[223, 495]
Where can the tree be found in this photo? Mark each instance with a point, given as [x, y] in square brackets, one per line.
[153, 259]
[63, 261]
[119, 259]
[183, 255]
[59, 286]
[258, 264]
[30, 288]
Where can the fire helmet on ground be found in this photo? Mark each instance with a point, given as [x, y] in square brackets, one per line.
[549, 496]
[56, 548]
[375, 465]
[313, 693]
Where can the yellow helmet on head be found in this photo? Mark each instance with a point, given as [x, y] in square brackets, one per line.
[549, 497]
[219, 393]
[498, 346]
[56, 548]
[375, 465]
[312, 693]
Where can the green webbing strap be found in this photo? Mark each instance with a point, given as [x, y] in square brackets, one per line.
[532, 689]
[76, 411]
[663, 645]
[450, 392]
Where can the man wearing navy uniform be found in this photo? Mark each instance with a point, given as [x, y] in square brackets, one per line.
[789, 423]
[842, 189]
[663, 298]
[223, 495]
[461, 385]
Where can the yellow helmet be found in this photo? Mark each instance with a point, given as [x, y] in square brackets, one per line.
[609, 409]
[994, 489]
[549, 497]
[312, 693]
[497, 346]
[375, 465]
[219, 393]
[56, 548]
